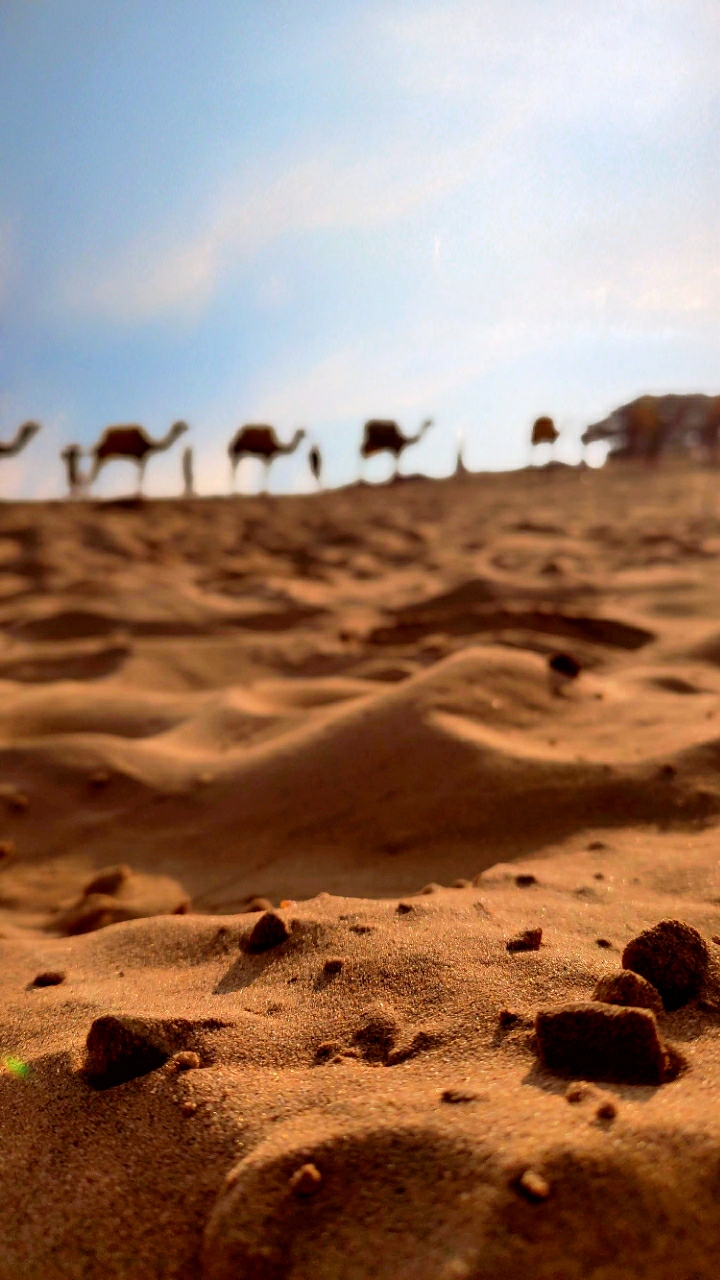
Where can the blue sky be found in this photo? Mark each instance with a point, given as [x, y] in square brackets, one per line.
[310, 213]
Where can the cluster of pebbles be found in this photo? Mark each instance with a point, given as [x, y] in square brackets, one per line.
[615, 1036]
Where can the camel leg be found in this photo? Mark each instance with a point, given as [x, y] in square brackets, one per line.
[266, 475]
[141, 477]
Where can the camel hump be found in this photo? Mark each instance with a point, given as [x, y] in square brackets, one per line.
[128, 441]
[544, 431]
[382, 424]
[256, 437]
[382, 433]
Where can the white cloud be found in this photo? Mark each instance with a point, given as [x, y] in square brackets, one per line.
[318, 194]
[517, 74]
[628, 60]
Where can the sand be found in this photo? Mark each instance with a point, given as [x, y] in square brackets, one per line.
[329, 916]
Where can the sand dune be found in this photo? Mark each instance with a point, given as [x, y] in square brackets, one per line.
[341, 703]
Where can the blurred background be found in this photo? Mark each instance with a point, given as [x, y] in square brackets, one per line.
[311, 213]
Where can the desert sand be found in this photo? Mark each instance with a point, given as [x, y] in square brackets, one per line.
[308, 880]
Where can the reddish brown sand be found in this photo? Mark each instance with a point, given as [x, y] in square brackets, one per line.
[339, 705]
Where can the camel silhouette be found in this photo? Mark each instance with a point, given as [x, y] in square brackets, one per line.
[543, 431]
[256, 440]
[131, 442]
[647, 427]
[382, 435]
[23, 436]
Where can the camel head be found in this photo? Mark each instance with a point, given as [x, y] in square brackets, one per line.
[300, 434]
[429, 422]
[607, 429]
[178, 429]
[27, 431]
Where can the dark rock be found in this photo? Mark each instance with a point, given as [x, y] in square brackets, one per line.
[458, 1095]
[49, 978]
[628, 988]
[525, 879]
[565, 665]
[377, 1034]
[528, 940]
[673, 957]
[121, 1049]
[270, 931]
[602, 1042]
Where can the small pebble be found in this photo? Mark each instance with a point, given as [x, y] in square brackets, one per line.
[525, 879]
[403, 909]
[188, 1108]
[578, 1091]
[508, 1019]
[49, 978]
[270, 931]
[306, 1180]
[458, 1095]
[327, 1049]
[606, 1111]
[462, 884]
[595, 846]
[333, 964]
[533, 1186]
[528, 940]
[186, 1060]
[431, 888]
[598, 875]
[603, 942]
[100, 778]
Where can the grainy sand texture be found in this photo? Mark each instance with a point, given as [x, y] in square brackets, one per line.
[342, 936]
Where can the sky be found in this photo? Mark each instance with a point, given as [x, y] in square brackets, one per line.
[309, 213]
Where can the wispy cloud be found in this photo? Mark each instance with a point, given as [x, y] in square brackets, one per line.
[324, 193]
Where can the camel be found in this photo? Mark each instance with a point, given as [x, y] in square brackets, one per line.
[315, 463]
[256, 440]
[544, 431]
[645, 427]
[382, 435]
[134, 443]
[23, 436]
